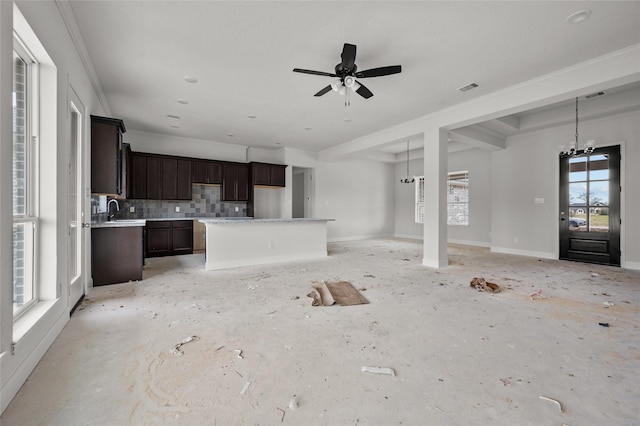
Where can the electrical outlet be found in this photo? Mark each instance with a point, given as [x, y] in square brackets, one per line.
[237, 209]
[177, 209]
[132, 209]
[271, 245]
[539, 200]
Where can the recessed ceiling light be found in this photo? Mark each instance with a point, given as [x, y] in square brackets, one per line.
[173, 117]
[308, 128]
[190, 79]
[183, 101]
[175, 126]
[278, 143]
[230, 135]
[578, 16]
[252, 116]
[348, 120]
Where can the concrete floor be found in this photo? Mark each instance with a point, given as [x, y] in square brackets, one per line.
[461, 357]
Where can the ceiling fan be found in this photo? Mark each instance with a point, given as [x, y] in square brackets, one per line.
[347, 72]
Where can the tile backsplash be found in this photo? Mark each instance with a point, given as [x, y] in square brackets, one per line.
[205, 202]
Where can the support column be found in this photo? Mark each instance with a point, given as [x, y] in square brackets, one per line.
[435, 198]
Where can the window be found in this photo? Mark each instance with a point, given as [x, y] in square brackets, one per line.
[457, 198]
[24, 188]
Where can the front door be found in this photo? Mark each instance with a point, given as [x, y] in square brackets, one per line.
[75, 247]
[590, 207]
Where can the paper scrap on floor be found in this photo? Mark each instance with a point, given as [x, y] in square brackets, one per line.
[342, 292]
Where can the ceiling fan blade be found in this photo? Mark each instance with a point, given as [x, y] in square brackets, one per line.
[323, 91]
[348, 56]
[379, 72]
[326, 74]
[364, 92]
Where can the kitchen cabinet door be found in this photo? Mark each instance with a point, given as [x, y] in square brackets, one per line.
[261, 174]
[137, 176]
[158, 239]
[277, 175]
[235, 182]
[106, 155]
[199, 171]
[169, 179]
[214, 172]
[182, 236]
[154, 178]
[207, 172]
[116, 255]
[183, 180]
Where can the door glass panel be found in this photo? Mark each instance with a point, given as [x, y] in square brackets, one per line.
[577, 169]
[578, 194]
[599, 193]
[75, 226]
[599, 219]
[598, 167]
[578, 219]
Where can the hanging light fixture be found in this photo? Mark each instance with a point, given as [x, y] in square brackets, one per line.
[407, 178]
[575, 149]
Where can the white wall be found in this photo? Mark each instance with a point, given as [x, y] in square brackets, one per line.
[478, 232]
[359, 195]
[267, 203]
[528, 169]
[184, 147]
[478, 163]
[40, 326]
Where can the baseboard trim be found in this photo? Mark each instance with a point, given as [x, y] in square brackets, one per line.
[528, 253]
[358, 238]
[632, 265]
[470, 243]
[20, 376]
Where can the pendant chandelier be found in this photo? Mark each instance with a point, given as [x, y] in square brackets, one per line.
[575, 149]
[407, 178]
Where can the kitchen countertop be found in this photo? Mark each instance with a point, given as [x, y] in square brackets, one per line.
[118, 223]
[249, 220]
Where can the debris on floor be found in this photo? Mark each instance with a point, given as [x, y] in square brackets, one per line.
[176, 349]
[283, 413]
[245, 387]
[379, 370]
[607, 304]
[482, 285]
[537, 295]
[239, 352]
[293, 404]
[554, 401]
[595, 274]
[342, 292]
[603, 324]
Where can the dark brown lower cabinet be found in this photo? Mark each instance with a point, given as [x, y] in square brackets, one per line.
[169, 237]
[116, 254]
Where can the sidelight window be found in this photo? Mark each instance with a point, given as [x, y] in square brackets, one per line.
[457, 198]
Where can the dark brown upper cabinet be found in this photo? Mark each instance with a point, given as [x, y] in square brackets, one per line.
[207, 172]
[159, 177]
[176, 179]
[235, 182]
[106, 155]
[264, 174]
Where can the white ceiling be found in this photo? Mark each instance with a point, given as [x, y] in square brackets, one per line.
[243, 53]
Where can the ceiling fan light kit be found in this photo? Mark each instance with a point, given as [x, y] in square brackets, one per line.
[347, 72]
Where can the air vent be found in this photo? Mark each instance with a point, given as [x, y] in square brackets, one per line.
[468, 87]
[594, 95]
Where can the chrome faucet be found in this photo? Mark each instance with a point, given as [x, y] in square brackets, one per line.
[111, 216]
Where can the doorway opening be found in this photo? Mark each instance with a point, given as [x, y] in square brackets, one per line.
[302, 189]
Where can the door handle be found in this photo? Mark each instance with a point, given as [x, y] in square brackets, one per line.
[86, 225]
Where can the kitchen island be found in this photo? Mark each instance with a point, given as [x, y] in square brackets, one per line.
[231, 242]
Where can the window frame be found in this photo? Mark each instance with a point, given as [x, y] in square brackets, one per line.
[454, 177]
[419, 198]
[29, 218]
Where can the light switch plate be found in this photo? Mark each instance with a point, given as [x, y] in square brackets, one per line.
[132, 209]
[177, 209]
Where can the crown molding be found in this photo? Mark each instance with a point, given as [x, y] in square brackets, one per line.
[74, 32]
